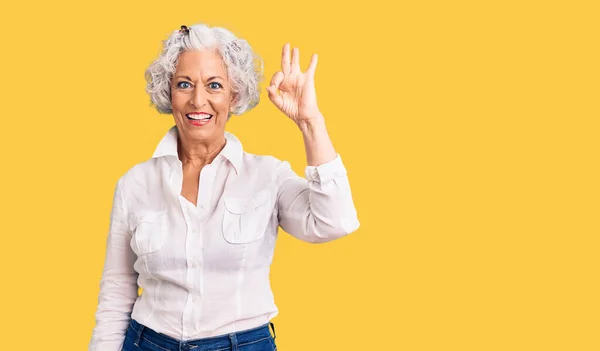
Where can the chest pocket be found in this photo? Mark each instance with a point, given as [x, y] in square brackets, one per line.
[149, 230]
[245, 219]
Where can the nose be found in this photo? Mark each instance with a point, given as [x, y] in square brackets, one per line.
[198, 98]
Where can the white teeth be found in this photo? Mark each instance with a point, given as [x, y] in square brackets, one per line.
[199, 117]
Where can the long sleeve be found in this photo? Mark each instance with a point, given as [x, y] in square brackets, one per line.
[118, 285]
[318, 208]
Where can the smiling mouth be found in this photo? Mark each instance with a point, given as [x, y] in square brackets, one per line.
[199, 117]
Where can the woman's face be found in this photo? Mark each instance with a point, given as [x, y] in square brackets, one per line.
[201, 95]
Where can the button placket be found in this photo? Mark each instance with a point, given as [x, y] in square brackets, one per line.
[192, 275]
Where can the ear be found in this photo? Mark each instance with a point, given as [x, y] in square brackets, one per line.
[233, 101]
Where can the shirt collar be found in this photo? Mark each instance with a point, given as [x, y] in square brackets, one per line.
[232, 151]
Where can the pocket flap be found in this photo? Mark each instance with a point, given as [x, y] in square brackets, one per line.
[149, 230]
[239, 205]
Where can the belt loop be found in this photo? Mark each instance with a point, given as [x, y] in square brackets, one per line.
[234, 342]
[139, 335]
[273, 326]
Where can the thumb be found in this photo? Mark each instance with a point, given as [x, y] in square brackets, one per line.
[275, 98]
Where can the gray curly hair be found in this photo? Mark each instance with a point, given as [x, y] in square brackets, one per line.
[244, 67]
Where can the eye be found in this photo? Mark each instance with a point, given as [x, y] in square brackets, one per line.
[179, 85]
[215, 85]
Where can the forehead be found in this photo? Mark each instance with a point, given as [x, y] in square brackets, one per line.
[201, 64]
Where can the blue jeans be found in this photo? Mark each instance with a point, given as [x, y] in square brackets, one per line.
[141, 338]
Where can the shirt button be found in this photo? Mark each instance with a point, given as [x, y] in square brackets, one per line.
[194, 231]
[194, 265]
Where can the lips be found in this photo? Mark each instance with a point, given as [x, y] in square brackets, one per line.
[198, 119]
[201, 116]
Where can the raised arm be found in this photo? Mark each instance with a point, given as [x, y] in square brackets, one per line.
[320, 207]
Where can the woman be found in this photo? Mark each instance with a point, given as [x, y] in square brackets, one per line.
[195, 226]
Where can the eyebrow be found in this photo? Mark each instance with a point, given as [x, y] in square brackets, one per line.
[188, 78]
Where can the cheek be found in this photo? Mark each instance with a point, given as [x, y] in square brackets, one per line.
[178, 101]
[220, 104]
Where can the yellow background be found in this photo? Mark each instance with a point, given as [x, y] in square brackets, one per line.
[469, 130]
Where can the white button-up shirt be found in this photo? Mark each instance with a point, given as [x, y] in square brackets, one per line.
[204, 269]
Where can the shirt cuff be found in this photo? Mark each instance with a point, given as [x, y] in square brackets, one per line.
[327, 171]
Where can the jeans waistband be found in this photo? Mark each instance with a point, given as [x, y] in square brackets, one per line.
[233, 340]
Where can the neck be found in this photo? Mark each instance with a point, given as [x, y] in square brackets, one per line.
[198, 154]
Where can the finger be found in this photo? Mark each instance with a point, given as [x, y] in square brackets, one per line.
[313, 65]
[277, 79]
[285, 59]
[296, 60]
[274, 96]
